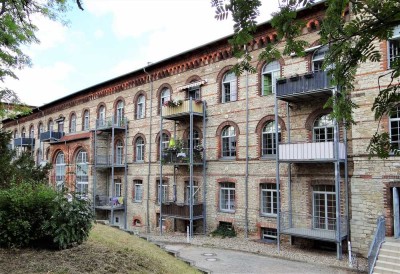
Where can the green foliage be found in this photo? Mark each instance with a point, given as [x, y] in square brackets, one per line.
[18, 168]
[38, 216]
[224, 230]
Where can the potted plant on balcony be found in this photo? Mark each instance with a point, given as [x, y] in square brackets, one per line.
[309, 75]
[281, 80]
[294, 77]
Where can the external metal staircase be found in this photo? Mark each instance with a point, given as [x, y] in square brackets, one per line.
[388, 261]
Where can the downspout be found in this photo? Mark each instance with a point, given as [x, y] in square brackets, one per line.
[149, 151]
[246, 191]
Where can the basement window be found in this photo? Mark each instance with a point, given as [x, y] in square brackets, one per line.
[268, 234]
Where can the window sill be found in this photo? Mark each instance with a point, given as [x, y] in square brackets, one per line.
[139, 162]
[268, 215]
[137, 202]
[227, 159]
[227, 211]
[268, 158]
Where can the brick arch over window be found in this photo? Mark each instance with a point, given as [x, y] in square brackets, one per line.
[134, 145]
[220, 76]
[158, 141]
[163, 86]
[186, 133]
[193, 78]
[260, 126]
[135, 101]
[120, 98]
[219, 134]
[135, 220]
[54, 156]
[259, 69]
[314, 115]
[310, 54]
[76, 150]
[101, 104]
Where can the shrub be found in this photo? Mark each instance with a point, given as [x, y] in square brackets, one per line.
[36, 215]
[224, 230]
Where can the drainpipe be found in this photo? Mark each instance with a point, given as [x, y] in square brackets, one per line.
[149, 150]
[246, 191]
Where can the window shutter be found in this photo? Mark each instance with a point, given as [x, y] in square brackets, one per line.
[233, 91]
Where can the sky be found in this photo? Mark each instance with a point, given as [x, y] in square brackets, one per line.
[114, 37]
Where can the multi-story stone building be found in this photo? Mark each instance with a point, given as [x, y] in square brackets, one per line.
[220, 164]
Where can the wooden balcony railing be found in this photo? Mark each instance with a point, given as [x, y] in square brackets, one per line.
[183, 109]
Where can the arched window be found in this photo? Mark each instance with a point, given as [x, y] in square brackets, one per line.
[101, 116]
[40, 129]
[50, 125]
[15, 133]
[141, 107]
[268, 139]
[270, 73]
[323, 129]
[165, 96]
[23, 132]
[196, 138]
[86, 120]
[120, 113]
[72, 123]
[82, 177]
[60, 171]
[119, 152]
[31, 132]
[165, 141]
[229, 87]
[228, 140]
[139, 146]
[318, 58]
[394, 127]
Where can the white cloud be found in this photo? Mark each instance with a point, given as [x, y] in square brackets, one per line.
[50, 33]
[40, 85]
[98, 34]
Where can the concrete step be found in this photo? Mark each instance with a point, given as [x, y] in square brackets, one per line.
[382, 270]
[392, 246]
[388, 265]
[389, 252]
[390, 259]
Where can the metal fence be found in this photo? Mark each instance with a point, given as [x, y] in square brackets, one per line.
[376, 243]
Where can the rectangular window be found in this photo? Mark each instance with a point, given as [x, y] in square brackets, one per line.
[118, 188]
[324, 213]
[195, 192]
[269, 234]
[164, 191]
[268, 199]
[193, 93]
[138, 190]
[394, 46]
[227, 197]
[60, 126]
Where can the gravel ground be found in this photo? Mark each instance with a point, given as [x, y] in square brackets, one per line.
[287, 251]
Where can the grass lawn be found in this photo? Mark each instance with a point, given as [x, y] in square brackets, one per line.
[108, 250]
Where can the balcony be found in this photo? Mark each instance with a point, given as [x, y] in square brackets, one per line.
[110, 123]
[24, 142]
[304, 87]
[49, 136]
[182, 156]
[105, 161]
[313, 227]
[182, 211]
[310, 152]
[175, 112]
[108, 203]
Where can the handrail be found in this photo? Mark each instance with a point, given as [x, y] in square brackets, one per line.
[376, 243]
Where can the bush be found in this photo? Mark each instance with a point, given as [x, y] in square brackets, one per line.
[224, 230]
[38, 216]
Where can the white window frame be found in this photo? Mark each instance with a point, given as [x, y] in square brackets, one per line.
[268, 133]
[60, 171]
[318, 58]
[164, 191]
[86, 120]
[82, 174]
[229, 88]
[195, 192]
[325, 127]
[269, 234]
[194, 93]
[165, 96]
[318, 190]
[119, 152]
[32, 132]
[23, 133]
[269, 197]
[141, 107]
[393, 46]
[228, 137]
[102, 116]
[120, 113]
[227, 197]
[139, 146]
[117, 188]
[50, 125]
[272, 70]
[40, 129]
[394, 120]
[138, 185]
[72, 128]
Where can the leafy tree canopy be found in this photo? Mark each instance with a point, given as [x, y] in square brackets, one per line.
[350, 43]
[17, 29]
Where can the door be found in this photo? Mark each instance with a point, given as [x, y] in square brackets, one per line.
[396, 212]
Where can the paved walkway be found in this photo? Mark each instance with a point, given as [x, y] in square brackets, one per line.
[229, 261]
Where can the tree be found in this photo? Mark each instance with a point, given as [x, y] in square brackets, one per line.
[17, 29]
[350, 44]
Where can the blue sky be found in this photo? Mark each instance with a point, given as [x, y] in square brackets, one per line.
[113, 37]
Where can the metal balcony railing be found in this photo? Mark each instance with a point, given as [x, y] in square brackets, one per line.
[182, 156]
[376, 243]
[183, 109]
[181, 210]
[24, 141]
[305, 83]
[316, 151]
[108, 202]
[106, 160]
[48, 136]
[111, 122]
[313, 227]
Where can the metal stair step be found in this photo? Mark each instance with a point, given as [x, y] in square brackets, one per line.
[392, 246]
[388, 258]
[389, 252]
[388, 265]
[383, 270]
